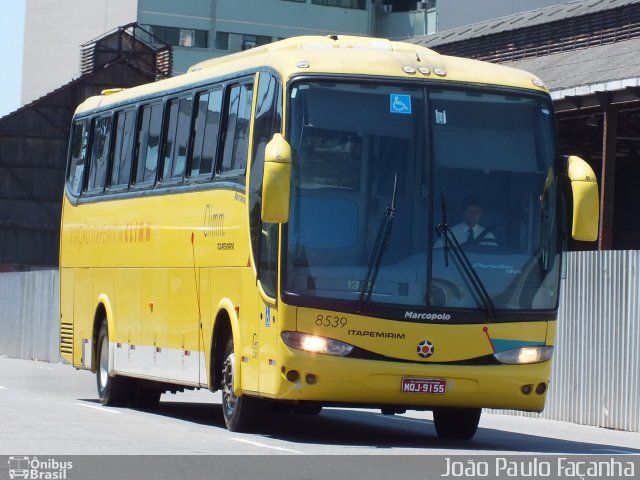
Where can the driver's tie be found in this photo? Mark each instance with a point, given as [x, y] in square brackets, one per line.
[470, 237]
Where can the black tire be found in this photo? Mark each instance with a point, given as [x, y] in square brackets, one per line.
[113, 391]
[145, 396]
[456, 423]
[241, 414]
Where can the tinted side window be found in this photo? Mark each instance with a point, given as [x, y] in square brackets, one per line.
[122, 149]
[78, 156]
[176, 145]
[264, 236]
[207, 124]
[148, 150]
[236, 144]
[100, 139]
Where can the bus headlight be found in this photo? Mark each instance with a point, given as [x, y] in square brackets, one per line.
[519, 356]
[316, 344]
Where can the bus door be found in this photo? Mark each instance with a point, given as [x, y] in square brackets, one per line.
[268, 326]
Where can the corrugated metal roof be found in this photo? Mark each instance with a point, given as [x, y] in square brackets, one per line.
[521, 20]
[586, 67]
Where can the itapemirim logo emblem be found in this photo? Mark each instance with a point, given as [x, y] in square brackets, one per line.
[36, 469]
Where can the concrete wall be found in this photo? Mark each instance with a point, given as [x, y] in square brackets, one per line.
[53, 33]
[270, 18]
[403, 25]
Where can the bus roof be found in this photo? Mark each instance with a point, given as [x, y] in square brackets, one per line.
[350, 55]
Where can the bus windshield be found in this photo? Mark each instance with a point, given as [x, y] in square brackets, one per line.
[448, 195]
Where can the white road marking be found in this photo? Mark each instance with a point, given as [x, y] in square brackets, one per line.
[102, 409]
[2, 388]
[264, 445]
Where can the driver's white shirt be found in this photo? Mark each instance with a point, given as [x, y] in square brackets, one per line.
[461, 232]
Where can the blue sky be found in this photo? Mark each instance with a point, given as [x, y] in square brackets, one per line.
[11, 43]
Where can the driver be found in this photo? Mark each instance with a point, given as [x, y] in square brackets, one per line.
[469, 231]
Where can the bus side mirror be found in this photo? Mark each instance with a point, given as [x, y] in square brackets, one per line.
[276, 182]
[586, 200]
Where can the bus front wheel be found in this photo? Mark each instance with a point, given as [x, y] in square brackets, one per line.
[456, 423]
[113, 391]
[240, 413]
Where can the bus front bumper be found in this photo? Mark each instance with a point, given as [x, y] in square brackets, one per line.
[306, 376]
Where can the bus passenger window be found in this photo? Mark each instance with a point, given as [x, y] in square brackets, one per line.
[99, 154]
[205, 144]
[237, 132]
[148, 144]
[122, 149]
[176, 143]
[78, 156]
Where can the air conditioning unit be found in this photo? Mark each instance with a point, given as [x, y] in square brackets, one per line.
[387, 8]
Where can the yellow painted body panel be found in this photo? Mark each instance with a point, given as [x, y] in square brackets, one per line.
[399, 339]
[143, 261]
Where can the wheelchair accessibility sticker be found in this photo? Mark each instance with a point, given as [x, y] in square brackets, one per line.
[400, 103]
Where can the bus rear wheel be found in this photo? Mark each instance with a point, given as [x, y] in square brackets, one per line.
[113, 391]
[240, 413]
[456, 423]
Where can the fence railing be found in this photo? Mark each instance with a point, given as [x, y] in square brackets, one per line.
[595, 378]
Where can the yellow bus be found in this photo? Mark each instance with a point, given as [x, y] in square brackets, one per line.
[282, 224]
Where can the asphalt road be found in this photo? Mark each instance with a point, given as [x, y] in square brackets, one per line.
[53, 409]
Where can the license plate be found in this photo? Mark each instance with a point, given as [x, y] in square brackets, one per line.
[436, 386]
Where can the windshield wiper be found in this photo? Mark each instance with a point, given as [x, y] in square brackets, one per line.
[382, 243]
[450, 239]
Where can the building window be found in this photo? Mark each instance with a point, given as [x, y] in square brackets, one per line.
[251, 41]
[355, 4]
[239, 41]
[187, 37]
[298, 1]
[222, 41]
[407, 5]
[180, 37]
